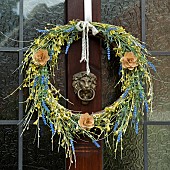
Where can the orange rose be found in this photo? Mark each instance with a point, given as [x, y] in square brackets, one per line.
[86, 121]
[41, 57]
[129, 61]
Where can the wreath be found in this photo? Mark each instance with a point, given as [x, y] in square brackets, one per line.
[135, 78]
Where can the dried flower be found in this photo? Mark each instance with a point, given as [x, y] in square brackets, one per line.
[41, 57]
[129, 61]
[86, 121]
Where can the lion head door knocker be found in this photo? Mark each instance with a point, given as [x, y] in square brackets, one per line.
[84, 86]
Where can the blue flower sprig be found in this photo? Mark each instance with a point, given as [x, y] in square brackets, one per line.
[111, 28]
[141, 95]
[67, 48]
[146, 106]
[135, 112]
[45, 106]
[120, 70]
[52, 128]
[72, 145]
[152, 66]
[119, 136]
[35, 81]
[108, 52]
[42, 31]
[115, 126]
[96, 143]
[42, 79]
[51, 53]
[69, 29]
[44, 119]
[137, 127]
[124, 95]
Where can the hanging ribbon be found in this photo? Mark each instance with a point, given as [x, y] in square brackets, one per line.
[85, 26]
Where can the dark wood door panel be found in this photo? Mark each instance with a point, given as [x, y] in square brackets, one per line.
[88, 156]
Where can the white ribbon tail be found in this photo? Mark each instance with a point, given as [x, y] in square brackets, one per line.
[85, 26]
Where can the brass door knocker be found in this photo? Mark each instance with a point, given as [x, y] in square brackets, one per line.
[84, 86]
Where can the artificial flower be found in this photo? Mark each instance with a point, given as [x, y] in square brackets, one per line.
[86, 121]
[41, 57]
[129, 61]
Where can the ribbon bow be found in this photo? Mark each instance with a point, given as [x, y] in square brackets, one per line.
[85, 26]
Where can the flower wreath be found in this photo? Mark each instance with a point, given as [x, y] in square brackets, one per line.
[42, 57]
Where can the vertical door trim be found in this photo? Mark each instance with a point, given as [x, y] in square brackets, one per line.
[20, 138]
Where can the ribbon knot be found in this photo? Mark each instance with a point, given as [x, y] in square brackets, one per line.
[85, 26]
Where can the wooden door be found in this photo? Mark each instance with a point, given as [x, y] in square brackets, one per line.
[89, 157]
